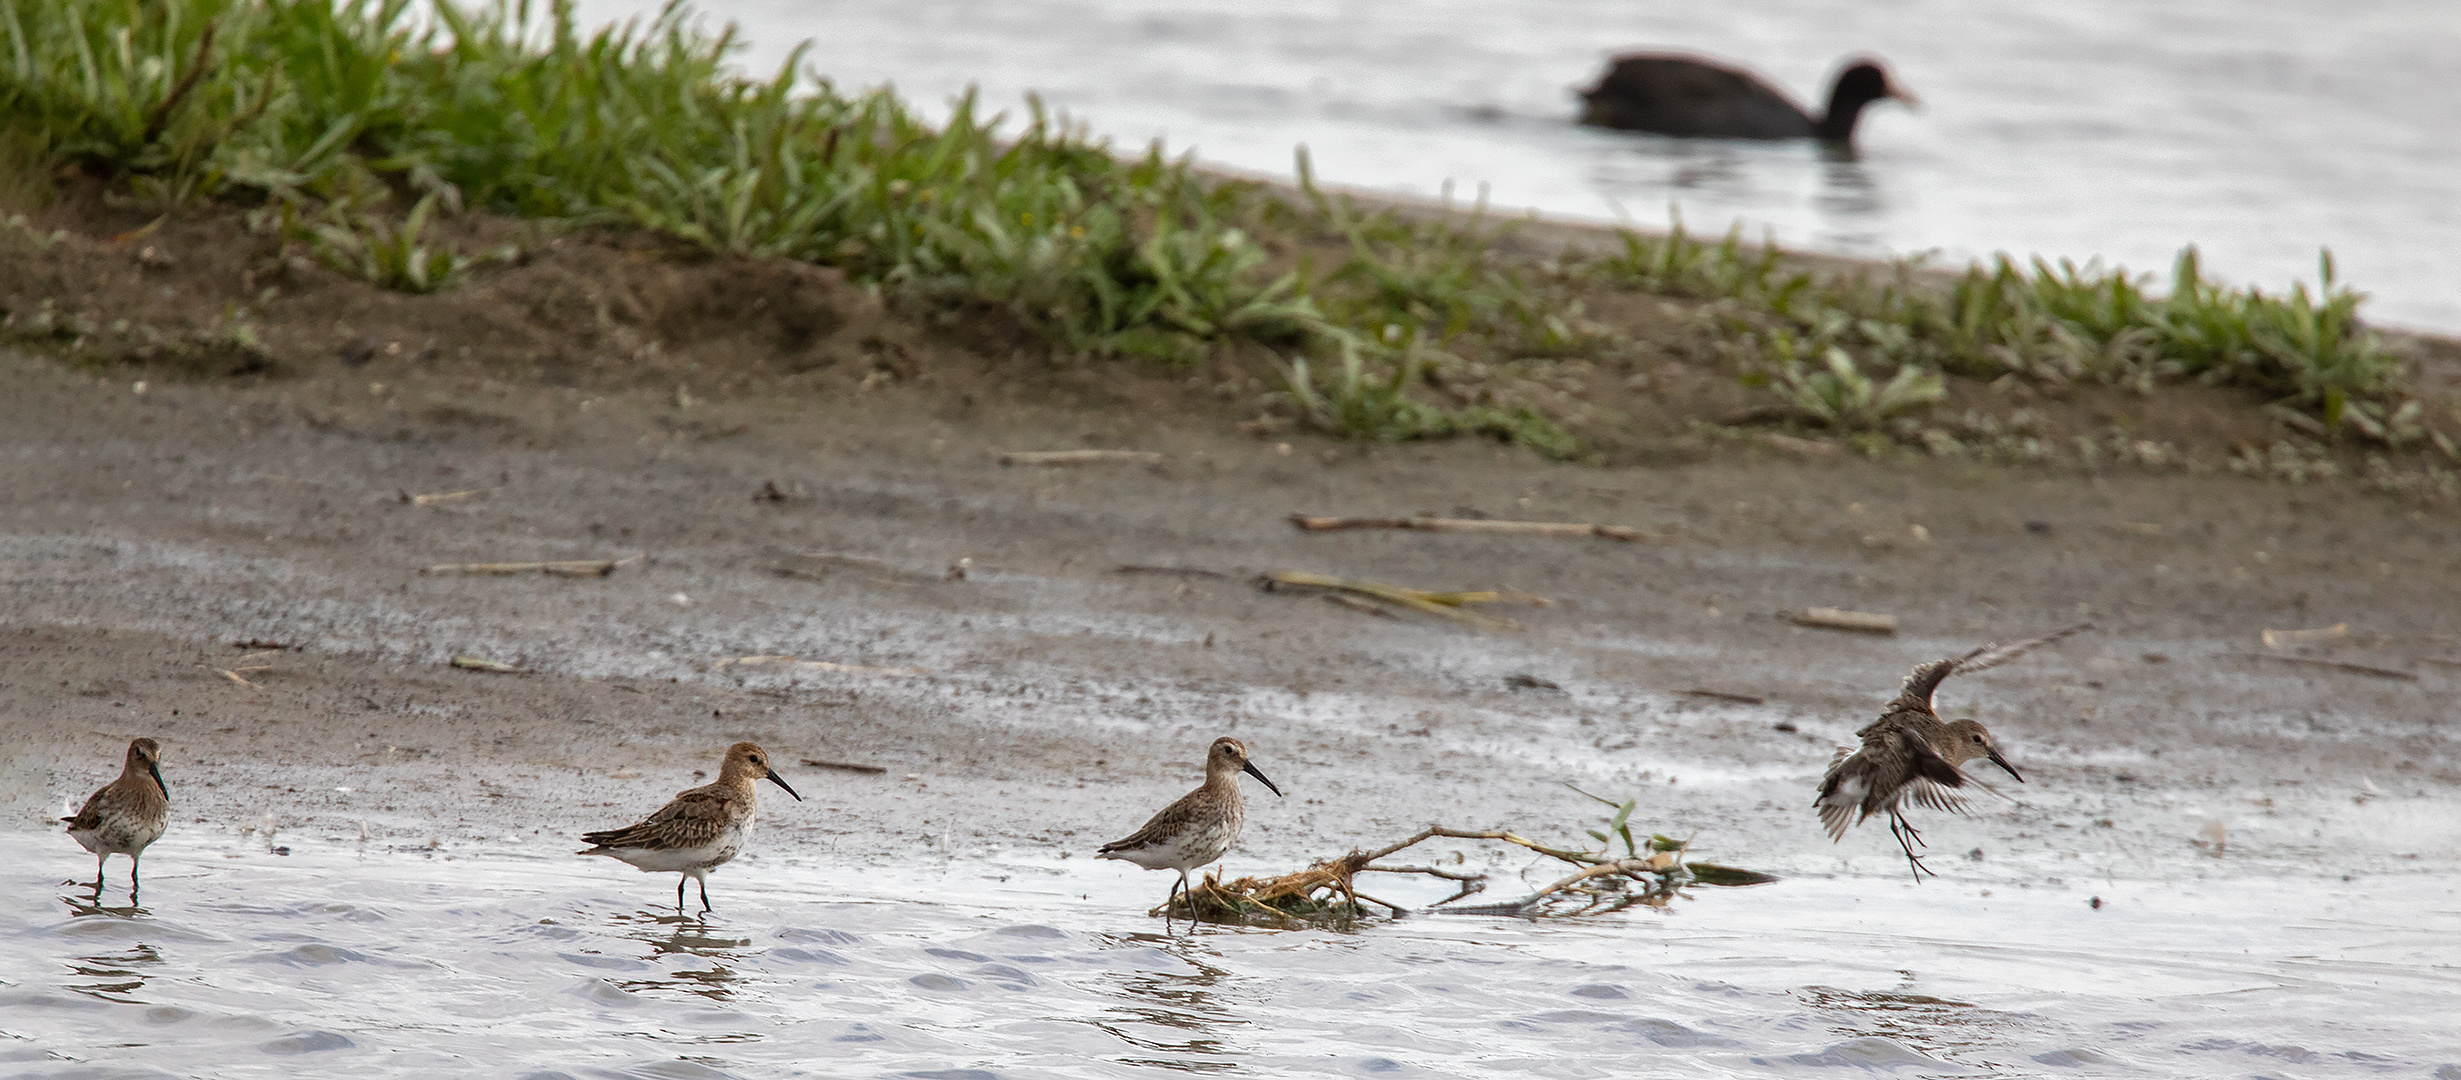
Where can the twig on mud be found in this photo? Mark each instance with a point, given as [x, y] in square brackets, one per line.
[1444, 605]
[2282, 639]
[1307, 523]
[2342, 665]
[1183, 571]
[233, 676]
[847, 766]
[1726, 695]
[1861, 622]
[1081, 457]
[439, 498]
[266, 644]
[1358, 605]
[576, 568]
[467, 662]
[2442, 661]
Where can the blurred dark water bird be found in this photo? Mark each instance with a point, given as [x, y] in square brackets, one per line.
[1692, 97]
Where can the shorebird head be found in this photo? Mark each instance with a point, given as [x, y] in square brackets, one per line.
[1968, 740]
[1229, 758]
[747, 762]
[146, 755]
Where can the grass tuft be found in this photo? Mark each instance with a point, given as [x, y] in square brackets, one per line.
[319, 108]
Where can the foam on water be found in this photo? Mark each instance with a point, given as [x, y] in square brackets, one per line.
[479, 959]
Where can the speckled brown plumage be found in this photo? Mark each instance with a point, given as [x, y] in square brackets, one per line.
[699, 830]
[1200, 826]
[1909, 755]
[128, 814]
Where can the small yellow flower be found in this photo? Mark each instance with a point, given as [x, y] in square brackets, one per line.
[1026, 219]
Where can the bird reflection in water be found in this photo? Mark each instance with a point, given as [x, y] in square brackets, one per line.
[1175, 1013]
[669, 936]
[81, 906]
[117, 976]
[1931, 1025]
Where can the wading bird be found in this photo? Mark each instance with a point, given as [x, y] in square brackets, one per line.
[701, 829]
[1200, 827]
[1909, 755]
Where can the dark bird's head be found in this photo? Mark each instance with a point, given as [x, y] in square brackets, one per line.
[1862, 82]
[1968, 739]
[746, 762]
[1229, 758]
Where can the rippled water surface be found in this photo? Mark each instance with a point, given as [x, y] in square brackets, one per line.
[2258, 130]
[512, 959]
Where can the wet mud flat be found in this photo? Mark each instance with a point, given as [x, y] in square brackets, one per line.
[235, 570]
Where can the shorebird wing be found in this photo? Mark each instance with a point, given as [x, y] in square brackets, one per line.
[89, 816]
[694, 819]
[1926, 679]
[1162, 827]
[1922, 792]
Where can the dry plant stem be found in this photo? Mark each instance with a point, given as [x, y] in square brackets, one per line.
[1861, 622]
[847, 766]
[564, 568]
[161, 117]
[1356, 604]
[2340, 665]
[1081, 457]
[1726, 695]
[1182, 571]
[1308, 523]
[441, 497]
[1440, 605]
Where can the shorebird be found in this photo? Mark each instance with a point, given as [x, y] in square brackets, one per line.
[700, 829]
[1197, 829]
[126, 815]
[1909, 755]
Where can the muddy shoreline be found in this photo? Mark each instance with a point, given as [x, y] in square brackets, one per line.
[1048, 701]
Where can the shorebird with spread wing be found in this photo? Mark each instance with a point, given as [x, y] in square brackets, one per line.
[1910, 756]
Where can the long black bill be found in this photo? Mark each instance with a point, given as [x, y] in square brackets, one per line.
[780, 781]
[157, 771]
[1250, 769]
[2002, 762]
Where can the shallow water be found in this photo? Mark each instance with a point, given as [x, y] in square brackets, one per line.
[2259, 131]
[515, 959]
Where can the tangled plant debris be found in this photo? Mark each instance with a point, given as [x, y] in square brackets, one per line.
[1650, 872]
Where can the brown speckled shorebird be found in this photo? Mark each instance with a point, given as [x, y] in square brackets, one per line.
[126, 815]
[1200, 827]
[701, 829]
[1909, 755]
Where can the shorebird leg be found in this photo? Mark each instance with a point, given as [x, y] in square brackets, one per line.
[1167, 901]
[1907, 838]
[132, 878]
[98, 874]
[704, 896]
[679, 892]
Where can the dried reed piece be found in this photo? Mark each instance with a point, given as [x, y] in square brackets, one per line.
[1050, 458]
[574, 568]
[1307, 523]
[1860, 622]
